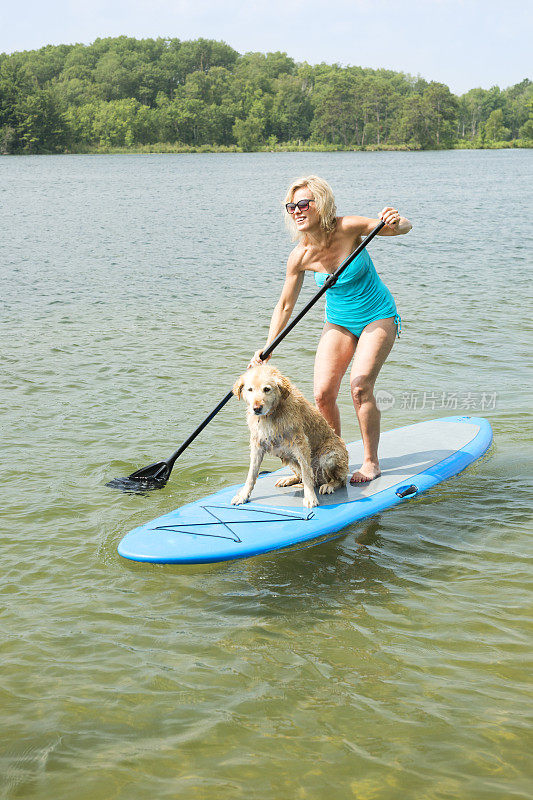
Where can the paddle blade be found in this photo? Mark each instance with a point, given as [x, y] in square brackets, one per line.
[154, 476]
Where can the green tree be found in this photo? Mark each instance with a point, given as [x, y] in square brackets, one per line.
[519, 101]
[378, 101]
[252, 131]
[113, 122]
[478, 104]
[292, 111]
[410, 124]
[114, 79]
[40, 127]
[194, 122]
[440, 110]
[31, 118]
[495, 130]
[526, 130]
[8, 140]
[335, 119]
[47, 63]
[202, 54]
[249, 133]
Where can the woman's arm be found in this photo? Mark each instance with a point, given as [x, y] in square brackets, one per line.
[284, 307]
[395, 225]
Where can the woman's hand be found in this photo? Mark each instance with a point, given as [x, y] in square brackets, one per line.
[256, 359]
[390, 217]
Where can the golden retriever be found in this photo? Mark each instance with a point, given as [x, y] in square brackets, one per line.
[284, 423]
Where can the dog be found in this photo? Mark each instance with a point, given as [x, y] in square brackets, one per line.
[282, 422]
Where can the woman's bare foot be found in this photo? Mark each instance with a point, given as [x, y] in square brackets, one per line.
[367, 472]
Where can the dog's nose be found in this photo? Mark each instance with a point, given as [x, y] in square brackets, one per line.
[258, 409]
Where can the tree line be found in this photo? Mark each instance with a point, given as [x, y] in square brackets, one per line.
[167, 94]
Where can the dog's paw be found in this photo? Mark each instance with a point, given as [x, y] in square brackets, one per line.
[327, 488]
[289, 480]
[310, 501]
[240, 498]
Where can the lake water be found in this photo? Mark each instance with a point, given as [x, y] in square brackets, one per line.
[389, 663]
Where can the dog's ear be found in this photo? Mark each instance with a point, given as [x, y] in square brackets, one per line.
[238, 386]
[283, 384]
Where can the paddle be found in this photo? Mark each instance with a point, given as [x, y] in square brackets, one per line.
[154, 476]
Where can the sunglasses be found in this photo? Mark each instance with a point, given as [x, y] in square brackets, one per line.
[303, 205]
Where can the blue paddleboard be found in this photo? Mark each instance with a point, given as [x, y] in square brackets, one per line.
[413, 459]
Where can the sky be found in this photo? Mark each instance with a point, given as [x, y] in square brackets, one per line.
[462, 43]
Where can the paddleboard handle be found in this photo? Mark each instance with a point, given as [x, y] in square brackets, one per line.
[407, 491]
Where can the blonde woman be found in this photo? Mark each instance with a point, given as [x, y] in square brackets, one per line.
[361, 316]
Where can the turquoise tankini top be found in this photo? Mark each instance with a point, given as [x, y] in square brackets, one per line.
[359, 296]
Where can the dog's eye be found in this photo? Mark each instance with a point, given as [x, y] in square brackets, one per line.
[266, 389]
[249, 389]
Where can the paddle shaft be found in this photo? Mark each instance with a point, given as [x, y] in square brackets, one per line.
[331, 280]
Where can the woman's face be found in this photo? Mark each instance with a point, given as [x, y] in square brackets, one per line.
[305, 220]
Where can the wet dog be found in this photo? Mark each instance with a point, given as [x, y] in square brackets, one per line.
[282, 422]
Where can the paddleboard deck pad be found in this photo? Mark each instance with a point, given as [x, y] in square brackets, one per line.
[413, 459]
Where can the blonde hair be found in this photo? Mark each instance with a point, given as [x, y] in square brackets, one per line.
[324, 201]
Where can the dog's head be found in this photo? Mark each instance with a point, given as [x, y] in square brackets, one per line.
[263, 389]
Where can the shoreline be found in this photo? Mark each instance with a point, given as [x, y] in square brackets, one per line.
[168, 148]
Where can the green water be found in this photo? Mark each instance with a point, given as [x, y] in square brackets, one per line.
[392, 662]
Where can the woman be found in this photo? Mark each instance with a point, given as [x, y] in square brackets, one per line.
[361, 316]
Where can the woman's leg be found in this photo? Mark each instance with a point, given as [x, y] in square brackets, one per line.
[374, 345]
[334, 352]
